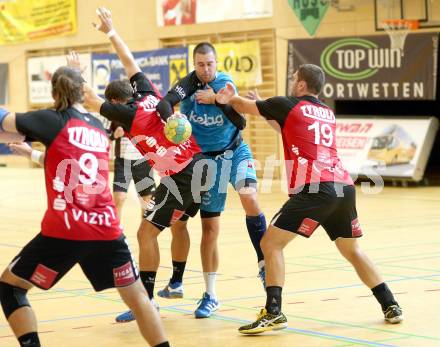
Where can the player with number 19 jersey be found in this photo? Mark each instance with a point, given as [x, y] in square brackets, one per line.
[79, 201]
[308, 130]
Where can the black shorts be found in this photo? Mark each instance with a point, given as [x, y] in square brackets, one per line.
[178, 196]
[333, 207]
[45, 260]
[139, 171]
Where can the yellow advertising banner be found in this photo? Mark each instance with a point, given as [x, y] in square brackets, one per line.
[241, 60]
[30, 20]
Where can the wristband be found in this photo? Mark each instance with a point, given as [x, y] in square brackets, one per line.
[111, 33]
[3, 114]
[36, 156]
[219, 105]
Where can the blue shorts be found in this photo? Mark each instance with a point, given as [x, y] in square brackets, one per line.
[235, 167]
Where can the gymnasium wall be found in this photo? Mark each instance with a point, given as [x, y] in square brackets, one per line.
[135, 20]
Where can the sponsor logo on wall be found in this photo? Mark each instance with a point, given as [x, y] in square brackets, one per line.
[367, 68]
[163, 67]
[385, 147]
[310, 13]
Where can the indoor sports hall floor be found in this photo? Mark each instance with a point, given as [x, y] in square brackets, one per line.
[324, 300]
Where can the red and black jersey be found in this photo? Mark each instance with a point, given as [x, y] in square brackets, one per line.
[79, 201]
[308, 129]
[145, 128]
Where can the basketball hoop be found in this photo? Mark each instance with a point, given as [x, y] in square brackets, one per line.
[398, 30]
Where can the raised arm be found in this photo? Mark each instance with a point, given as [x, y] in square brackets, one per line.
[92, 101]
[124, 54]
[72, 59]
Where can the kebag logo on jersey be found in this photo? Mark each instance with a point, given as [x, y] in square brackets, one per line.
[319, 113]
[88, 139]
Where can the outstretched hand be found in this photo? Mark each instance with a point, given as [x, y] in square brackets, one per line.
[21, 148]
[205, 96]
[73, 61]
[119, 132]
[91, 100]
[225, 94]
[253, 95]
[105, 18]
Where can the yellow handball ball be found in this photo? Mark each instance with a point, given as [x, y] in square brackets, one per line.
[177, 129]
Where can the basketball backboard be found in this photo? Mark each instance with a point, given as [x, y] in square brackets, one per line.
[427, 12]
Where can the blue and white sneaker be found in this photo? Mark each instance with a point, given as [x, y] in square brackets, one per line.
[125, 317]
[262, 277]
[128, 316]
[207, 306]
[172, 291]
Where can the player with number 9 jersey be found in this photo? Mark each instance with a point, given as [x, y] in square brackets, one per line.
[80, 225]
[79, 201]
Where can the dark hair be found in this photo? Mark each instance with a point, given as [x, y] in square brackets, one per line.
[66, 87]
[313, 75]
[204, 48]
[119, 90]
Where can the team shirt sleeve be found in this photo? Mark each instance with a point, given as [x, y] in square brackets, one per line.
[142, 85]
[183, 89]
[276, 108]
[186, 87]
[121, 113]
[42, 125]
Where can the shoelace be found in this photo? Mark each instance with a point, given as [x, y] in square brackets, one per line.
[206, 302]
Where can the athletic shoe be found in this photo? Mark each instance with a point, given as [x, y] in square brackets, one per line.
[128, 316]
[125, 317]
[207, 306]
[265, 322]
[262, 277]
[172, 291]
[393, 314]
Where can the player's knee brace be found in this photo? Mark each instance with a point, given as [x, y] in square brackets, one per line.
[12, 298]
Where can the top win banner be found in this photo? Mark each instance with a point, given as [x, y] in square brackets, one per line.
[367, 68]
[164, 67]
[30, 20]
[177, 12]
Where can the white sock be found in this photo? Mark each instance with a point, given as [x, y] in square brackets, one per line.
[261, 264]
[210, 278]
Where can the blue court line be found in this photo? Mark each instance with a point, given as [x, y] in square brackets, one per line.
[347, 267]
[314, 290]
[375, 249]
[384, 340]
[70, 318]
[330, 288]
